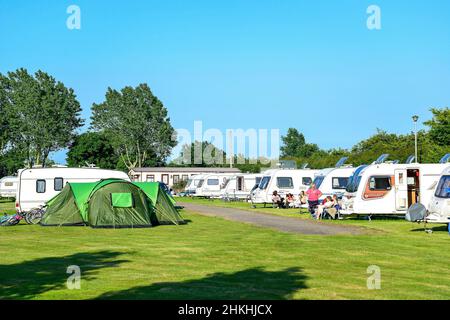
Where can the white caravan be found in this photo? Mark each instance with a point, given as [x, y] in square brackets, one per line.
[390, 188]
[211, 185]
[8, 187]
[192, 184]
[332, 181]
[283, 181]
[439, 206]
[38, 185]
[240, 186]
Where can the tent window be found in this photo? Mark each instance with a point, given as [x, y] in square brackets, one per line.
[40, 186]
[122, 200]
[58, 184]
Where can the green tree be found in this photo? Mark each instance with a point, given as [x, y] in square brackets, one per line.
[92, 148]
[42, 114]
[200, 154]
[11, 160]
[294, 145]
[137, 124]
[439, 126]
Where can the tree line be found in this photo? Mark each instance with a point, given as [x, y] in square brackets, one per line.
[131, 128]
[433, 143]
[40, 115]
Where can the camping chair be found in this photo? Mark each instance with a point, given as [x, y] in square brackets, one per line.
[329, 213]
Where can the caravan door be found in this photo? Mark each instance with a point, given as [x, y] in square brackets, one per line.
[401, 190]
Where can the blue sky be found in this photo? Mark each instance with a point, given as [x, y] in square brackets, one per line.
[312, 65]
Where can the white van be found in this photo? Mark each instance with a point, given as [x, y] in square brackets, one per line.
[283, 181]
[390, 188]
[192, 184]
[211, 185]
[38, 185]
[8, 187]
[333, 180]
[439, 207]
[240, 186]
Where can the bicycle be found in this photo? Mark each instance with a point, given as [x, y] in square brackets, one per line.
[34, 216]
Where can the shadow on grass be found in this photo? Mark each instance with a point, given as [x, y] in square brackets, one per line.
[434, 228]
[255, 283]
[27, 279]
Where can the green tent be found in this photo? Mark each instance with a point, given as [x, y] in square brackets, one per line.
[111, 203]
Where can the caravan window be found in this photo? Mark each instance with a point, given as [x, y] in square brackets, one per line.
[213, 182]
[285, 182]
[264, 182]
[9, 184]
[58, 184]
[40, 186]
[443, 188]
[340, 182]
[258, 180]
[380, 183]
[306, 181]
[200, 183]
[318, 181]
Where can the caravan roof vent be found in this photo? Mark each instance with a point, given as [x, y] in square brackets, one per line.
[381, 158]
[445, 158]
[341, 162]
[410, 159]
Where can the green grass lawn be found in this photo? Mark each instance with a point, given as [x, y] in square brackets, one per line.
[212, 258]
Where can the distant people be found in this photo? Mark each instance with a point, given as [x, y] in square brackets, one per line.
[326, 204]
[313, 198]
[303, 198]
[290, 200]
[336, 203]
[277, 202]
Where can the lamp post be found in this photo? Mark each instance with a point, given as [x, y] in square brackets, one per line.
[415, 118]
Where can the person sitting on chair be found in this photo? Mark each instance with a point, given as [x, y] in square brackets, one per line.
[290, 200]
[276, 200]
[326, 204]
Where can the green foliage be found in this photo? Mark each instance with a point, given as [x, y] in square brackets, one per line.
[200, 154]
[11, 161]
[179, 186]
[432, 145]
[41, 114]
[294, 145]
[92, 148]
[137, 125]
[440, 126]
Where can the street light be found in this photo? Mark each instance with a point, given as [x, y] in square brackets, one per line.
[415, 118]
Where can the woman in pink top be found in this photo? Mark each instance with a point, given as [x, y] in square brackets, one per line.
[313, 198]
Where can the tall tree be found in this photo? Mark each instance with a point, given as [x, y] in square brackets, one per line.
[440, 126]
[136, 123]
[42, 114]
[294, 145]
[201, 154]
[92, 148]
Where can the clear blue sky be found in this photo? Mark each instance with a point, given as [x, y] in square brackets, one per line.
[312, 65]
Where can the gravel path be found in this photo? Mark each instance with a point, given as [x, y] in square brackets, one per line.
[284, 224]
